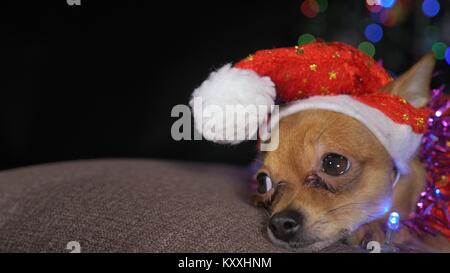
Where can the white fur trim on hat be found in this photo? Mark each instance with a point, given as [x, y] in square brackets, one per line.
[229, 86]
[400, 140]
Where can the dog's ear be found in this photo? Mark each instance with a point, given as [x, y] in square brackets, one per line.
[414, 84]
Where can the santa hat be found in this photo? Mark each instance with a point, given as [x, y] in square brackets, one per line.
[329, 76]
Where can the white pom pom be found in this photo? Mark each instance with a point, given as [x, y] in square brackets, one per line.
[231, 87]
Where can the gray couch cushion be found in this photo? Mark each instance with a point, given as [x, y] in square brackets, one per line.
[130, 206]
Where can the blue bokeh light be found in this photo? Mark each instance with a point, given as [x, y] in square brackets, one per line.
[373, 33]
[447, 55]
[431, 7]
[387, 3]
[437, 191]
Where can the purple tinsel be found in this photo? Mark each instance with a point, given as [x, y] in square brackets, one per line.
[433, 213]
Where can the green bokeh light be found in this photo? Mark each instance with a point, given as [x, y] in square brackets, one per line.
[367, 47]
[438, 49]
[323, 4]
[306, 39]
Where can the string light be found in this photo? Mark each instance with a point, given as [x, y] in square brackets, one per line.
[393, 225]
[394, 221]
[431, 7]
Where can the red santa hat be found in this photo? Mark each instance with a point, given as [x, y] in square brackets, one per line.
[329, 76]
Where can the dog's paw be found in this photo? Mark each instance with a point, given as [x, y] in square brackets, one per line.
[373, 231]
[376, 231]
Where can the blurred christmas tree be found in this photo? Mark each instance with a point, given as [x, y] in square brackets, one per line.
[396, 32]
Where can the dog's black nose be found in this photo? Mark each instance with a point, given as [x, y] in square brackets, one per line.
[285, 224]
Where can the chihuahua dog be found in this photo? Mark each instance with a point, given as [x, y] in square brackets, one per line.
[330, 179]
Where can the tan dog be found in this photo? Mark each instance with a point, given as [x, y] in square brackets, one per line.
[332, 179]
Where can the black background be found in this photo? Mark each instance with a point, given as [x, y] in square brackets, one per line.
[280, 262]
[100, 79]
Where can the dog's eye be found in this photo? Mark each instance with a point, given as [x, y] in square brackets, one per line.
[335, 164]
[264, 183]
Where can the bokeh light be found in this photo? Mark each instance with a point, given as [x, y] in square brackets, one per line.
[387, 3]
[439, 49]
[447, 55]
[306, 39]
[367, 47]
[310, 8]
[323, 5]
[373, 6]
[373, 33]
[431, 7]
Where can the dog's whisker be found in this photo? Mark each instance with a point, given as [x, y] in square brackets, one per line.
[341, 209]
